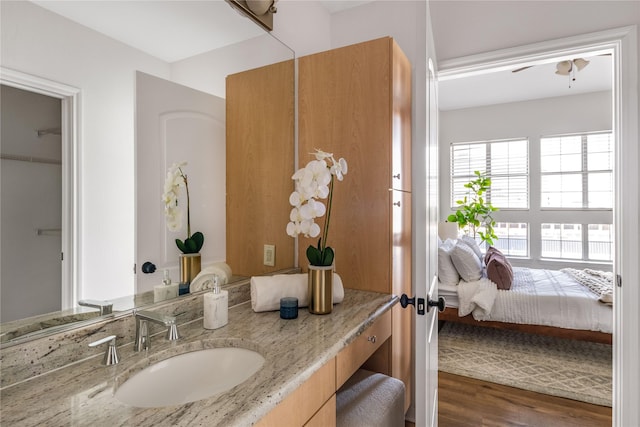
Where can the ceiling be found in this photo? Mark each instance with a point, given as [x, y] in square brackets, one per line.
[168, 30]
[539, 81]
[334, 6]
[175, 30]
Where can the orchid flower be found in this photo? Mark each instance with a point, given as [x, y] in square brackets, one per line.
[315, 181]
[176, 179]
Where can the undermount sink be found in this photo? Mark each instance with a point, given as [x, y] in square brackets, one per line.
[189, 377]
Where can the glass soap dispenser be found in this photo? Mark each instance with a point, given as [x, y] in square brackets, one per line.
[216, 306]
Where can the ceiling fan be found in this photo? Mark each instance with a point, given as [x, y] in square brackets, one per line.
[565, 67]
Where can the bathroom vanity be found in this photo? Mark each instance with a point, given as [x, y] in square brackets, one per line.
[306, 360]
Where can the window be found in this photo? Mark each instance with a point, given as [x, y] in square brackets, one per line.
[513, 238]
[577, 171]
[571, 211]
[569, 241]
[561, 241]
[505, 162]
[600, 237]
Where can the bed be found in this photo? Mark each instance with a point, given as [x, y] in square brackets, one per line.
[485, 289]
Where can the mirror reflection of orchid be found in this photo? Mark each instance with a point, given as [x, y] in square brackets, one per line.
[175, 179]
[315, 181]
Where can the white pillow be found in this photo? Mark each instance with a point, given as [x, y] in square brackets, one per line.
[447, 272]
[471, 242]
[466, 262]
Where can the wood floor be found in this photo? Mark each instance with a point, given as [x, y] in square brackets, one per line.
[469, 402]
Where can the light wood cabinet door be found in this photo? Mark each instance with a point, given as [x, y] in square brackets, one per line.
[355, 102]
[260, 160]
[401, 120]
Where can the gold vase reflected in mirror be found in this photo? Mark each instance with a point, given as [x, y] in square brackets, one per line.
[190, 265]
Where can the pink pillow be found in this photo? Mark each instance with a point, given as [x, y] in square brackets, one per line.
[499, 269]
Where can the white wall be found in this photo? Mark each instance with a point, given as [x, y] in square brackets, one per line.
[38, 42]
[529, 119]
[207, 72]
[464, 28]
[303, 25]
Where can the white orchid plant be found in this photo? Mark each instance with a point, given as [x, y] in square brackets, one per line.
[176, 178]
[313, 182]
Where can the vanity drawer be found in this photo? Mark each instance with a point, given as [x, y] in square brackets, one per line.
[326, 416]
[300, 406]
[355, 354]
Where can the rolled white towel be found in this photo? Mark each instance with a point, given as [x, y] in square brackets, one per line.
[204, 279]
[266, 291]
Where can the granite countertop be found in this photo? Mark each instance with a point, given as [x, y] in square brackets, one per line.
[82, 393]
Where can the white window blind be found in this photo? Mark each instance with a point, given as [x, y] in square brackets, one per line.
[577, 171]
[506, 162]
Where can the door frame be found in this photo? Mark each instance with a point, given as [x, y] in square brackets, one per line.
[623, 42]
[70, 138]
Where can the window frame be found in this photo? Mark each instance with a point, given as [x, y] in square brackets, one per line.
[487, 170]
[535, 215]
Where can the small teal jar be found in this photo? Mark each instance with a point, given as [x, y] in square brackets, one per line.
[288, 308]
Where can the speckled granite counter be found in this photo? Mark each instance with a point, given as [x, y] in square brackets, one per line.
[82, 393]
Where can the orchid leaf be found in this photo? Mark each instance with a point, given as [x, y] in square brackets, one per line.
[327, 256]
[198, 239]
[313, 255]
[181, 246]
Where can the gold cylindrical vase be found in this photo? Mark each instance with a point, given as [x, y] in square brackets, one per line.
[320, 289]
[190, 265]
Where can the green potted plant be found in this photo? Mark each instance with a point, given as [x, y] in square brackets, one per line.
[190, 260]
[474, 213]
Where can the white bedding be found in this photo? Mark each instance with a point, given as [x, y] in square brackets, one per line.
[546, 297]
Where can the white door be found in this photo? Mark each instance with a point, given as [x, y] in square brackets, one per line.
[426, 338]
[175, 123]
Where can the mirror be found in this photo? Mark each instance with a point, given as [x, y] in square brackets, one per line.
[38, 41]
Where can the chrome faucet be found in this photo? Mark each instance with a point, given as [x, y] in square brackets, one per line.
[111, 354]
[106, 307]
[143, 318]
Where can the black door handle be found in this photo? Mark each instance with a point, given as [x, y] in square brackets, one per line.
[148, 267]
[405, 301]
[440, 303]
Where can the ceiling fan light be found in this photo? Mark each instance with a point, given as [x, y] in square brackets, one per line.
[563, 68]
[580, 63]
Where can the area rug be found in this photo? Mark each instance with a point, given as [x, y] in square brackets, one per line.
[572, 369]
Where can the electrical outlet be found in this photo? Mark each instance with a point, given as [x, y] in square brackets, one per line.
[269, 255]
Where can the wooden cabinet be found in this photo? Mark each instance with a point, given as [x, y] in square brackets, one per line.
[260, 159]
[301, 406]
[314, 402]
[355, 102]
[355, 354]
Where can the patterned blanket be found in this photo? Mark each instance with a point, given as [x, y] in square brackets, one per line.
[598, 282]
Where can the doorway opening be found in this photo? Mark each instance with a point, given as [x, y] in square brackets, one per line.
[606, 43]
[64, 234]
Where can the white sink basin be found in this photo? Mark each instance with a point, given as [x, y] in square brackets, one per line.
[189, 377]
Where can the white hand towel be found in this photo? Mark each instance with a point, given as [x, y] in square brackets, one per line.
[266, 291]
[204, 279]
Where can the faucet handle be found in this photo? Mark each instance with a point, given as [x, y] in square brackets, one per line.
[172, 332]
[111, 354]
[105, 307]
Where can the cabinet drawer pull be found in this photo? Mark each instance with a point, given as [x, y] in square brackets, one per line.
[371, 339]
[396, 204]
[396, 176]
